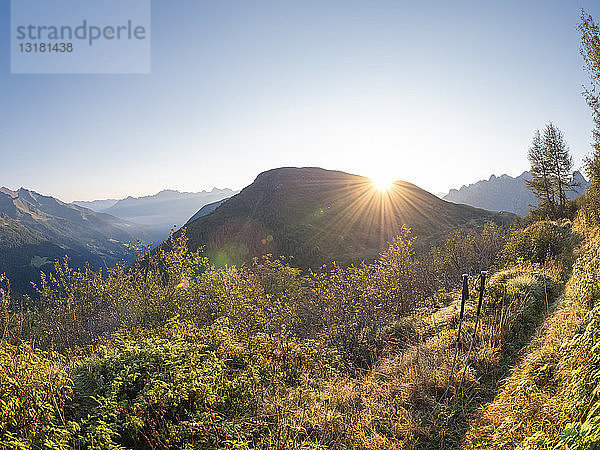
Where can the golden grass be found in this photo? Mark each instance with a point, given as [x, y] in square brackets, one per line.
[533, 404]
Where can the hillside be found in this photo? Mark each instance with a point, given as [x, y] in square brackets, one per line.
[161, 212]
[207, 209]
[269, 356]
[506, 193]
[318, 215]
[37, 230]
[97, 205]
[550, 399]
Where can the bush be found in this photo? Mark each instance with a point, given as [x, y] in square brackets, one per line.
[343, 307]
[33, 390]
[540, 242]
[176, 353]
[182, 387]
[468, 251]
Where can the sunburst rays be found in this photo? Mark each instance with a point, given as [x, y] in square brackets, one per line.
[365, 209]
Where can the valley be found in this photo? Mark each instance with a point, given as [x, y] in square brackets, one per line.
[161, 213]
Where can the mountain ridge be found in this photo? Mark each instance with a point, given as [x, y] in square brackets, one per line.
[164, 211]
[37, 230]
[318, 215]
[506, 193]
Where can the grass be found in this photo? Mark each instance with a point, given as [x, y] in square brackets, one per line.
[549, 401]
[175, 353]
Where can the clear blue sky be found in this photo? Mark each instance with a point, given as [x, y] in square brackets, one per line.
[436, 93]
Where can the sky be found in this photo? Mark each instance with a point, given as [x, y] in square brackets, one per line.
[440, 94]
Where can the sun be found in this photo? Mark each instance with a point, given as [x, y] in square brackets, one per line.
[382, 183]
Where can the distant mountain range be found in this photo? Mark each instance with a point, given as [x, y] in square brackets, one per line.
[160, 212]
[36, 230]
[506, 193]
[98, 205]
[311, 214]
[318, 216]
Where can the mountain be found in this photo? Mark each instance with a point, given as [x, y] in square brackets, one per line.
[207, 209]
[164, 211]
[506, 193]
[36, 230]
[97, 205]
[318, 215]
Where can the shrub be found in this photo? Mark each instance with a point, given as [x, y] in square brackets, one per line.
[33, 390]
[468, 251]
[182, 387]
[540, 242]
[179, 354]
[343, 307]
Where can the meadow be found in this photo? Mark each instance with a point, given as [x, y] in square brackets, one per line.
[173, 352]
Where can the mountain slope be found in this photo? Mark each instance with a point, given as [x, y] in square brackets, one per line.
[318, 215]
[36, 230]
[506, 193]
[207, 209]
[97, 205]
[163, 211]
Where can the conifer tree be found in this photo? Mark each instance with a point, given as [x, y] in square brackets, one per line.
[561, 165]
[551, 170]
[540, 182]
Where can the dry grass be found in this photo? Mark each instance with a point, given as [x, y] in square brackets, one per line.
[535, 403]
[399, 402]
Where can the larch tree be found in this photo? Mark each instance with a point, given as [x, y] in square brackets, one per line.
[561, 165]
[551, 170]
[541, 178]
